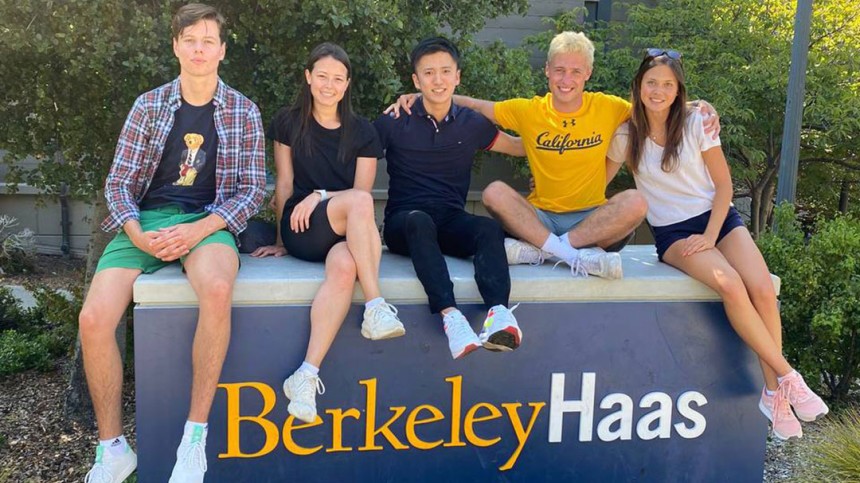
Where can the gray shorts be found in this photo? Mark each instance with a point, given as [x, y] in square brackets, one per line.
[561, 223]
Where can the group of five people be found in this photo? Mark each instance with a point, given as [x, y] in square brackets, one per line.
[189, 172]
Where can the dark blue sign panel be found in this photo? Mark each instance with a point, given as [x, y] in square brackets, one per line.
[598, 391]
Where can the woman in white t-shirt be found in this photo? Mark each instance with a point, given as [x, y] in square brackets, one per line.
[685, 178]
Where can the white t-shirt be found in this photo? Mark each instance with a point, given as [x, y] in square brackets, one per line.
[681, 194]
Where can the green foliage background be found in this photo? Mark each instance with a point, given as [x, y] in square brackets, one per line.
[820, 296]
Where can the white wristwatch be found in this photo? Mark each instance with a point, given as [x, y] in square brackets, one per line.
[323, 194]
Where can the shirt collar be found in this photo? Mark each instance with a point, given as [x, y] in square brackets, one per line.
[453, 112]
[174, 96]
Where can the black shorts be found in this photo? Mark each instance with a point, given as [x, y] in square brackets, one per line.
[665, 236]
[314, 243]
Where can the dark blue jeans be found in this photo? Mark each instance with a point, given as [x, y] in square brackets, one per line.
[425, 235]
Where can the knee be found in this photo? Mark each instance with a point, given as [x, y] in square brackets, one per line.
[341, 270]
[361, 203]
[762, 293]
[92, 323]
[495, 194]
[731, 288]
[217, 290]
[489, 229]
[635, 204]
[419, 224]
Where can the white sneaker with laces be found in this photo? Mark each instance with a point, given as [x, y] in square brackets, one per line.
[190, 458]
[501, 332]
[301, 389]
[461, 338]
[381, 322]
[520, 252]
[598, 262]
[109, 468]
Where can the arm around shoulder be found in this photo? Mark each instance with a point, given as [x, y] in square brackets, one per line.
[486, 108]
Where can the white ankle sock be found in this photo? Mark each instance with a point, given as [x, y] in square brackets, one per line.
[769, 392]
[115, 446]
[373, 303]
[559, 246]
[307, 366]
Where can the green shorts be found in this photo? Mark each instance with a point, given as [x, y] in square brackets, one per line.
[122, 253]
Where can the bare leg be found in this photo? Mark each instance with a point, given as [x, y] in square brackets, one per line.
[515, 213]
[108, 297]
[611, 222]
[711, 268]
[740, 250]
[351, 214]
[331, 302]
[212, 272]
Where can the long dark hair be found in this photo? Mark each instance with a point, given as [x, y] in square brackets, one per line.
[305, 105]
[638, 125]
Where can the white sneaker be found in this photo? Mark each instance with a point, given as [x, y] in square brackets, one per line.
[108, 468]
[301, 389]
[501, 332]
[461, 338]
[190, 458]
[598, 262]
[519, 252]
[381, 322]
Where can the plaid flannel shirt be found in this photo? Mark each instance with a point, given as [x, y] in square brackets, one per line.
[240, 173]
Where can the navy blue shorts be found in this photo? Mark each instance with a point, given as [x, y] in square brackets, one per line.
[665, 236]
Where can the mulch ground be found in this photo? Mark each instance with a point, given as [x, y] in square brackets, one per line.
[52, 271]
[37, 444]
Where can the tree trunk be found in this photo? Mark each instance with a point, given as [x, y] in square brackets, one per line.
[843, 195]
[755, 211]
[78, 406]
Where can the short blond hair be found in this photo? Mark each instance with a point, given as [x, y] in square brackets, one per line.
[572, 42]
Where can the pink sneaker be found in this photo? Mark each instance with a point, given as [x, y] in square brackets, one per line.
[806, 403]
[778, 409]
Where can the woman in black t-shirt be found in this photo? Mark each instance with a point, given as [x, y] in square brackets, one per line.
[326, 157]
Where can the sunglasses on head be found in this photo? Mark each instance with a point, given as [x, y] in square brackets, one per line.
[654, 52]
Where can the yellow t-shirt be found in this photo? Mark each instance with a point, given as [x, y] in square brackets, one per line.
[566, 151]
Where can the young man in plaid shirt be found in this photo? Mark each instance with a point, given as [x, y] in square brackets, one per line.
[187, 174]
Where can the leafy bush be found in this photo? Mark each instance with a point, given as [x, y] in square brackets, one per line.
[32, 338]
[19, 352]
[820, 296]
[836, 455]
[16, 248]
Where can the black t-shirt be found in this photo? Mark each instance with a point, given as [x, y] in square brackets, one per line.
[321, 169]
[186, 173]
[430, 161]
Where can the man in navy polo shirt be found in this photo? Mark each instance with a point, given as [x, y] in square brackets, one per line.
[430, 155]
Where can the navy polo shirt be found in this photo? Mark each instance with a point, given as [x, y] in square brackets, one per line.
[430, 161]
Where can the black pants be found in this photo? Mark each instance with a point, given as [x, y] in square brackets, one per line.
[424, 235]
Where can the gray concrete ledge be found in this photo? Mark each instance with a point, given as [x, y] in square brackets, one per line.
[289, 281]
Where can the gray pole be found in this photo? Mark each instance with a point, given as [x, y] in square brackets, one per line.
[794, 104]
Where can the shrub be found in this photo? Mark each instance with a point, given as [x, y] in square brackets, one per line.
[16, 248]
[32, 338]
[836, 455]
[19, 352]
[820, 296]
